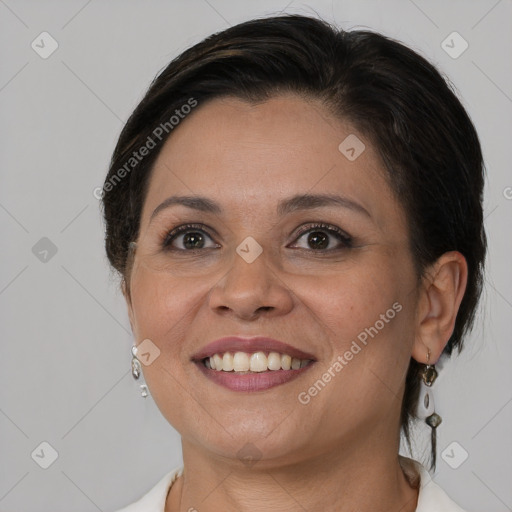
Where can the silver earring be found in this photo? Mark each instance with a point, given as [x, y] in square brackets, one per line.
[137, 370]
[426, 405]
[428, 378]
[135, 364]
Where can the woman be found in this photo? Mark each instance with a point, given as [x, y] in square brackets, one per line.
[296, 215]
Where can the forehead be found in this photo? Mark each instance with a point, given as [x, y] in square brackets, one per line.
[256, 154]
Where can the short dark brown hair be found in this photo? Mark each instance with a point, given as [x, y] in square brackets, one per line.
[393, 96]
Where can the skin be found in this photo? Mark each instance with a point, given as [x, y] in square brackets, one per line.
[327, 454]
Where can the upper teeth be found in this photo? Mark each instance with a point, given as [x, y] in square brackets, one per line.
[256, 362]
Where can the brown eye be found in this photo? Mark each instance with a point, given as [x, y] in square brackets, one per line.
[318, 240]
[188, 238]
[320, 236]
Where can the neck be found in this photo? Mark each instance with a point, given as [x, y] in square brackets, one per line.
[367, 479]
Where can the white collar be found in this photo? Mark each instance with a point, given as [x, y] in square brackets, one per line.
[431, 497]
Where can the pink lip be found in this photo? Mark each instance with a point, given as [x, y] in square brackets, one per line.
[251, 381]
[250, 345]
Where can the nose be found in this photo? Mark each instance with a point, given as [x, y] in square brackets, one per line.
[248, 290]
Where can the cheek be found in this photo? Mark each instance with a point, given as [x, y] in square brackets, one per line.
[367, 320]
[160, 302]
[163, 308]
[348, 303]
[368, 314]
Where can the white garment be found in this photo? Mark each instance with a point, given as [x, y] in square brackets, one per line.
[431, 497]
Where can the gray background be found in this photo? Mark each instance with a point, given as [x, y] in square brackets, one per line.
[65, 349]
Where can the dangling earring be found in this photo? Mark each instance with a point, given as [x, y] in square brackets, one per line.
[136, 371]
[426, 406]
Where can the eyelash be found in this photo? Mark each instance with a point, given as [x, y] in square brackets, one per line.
[345, 239]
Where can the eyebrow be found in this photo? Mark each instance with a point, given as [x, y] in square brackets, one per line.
[285, 206]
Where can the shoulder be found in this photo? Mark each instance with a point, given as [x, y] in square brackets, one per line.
[431, 497]
[154, 499]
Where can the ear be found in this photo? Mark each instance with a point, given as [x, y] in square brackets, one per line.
[126, 293]
[441, 293]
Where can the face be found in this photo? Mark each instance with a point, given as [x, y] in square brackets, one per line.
[333, 279]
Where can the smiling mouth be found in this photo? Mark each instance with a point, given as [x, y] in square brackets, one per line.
[257, 362]
[252, 371]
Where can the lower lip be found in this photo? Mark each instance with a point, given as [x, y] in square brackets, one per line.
[258, 381]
